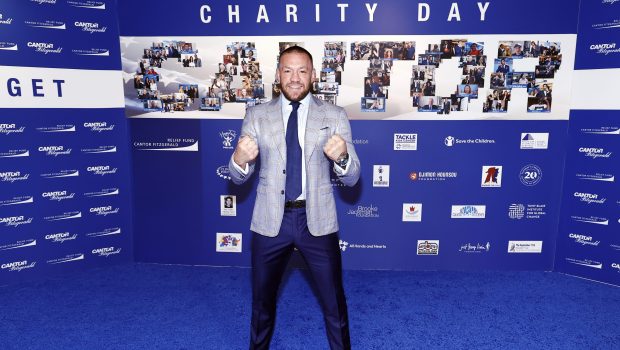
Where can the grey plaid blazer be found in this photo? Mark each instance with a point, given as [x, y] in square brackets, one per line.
[264, 124]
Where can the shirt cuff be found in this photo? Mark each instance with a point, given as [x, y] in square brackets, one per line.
[342, 172]
[243, 171]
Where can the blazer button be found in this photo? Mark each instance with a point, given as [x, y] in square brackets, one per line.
[282, 192]
[283, 171]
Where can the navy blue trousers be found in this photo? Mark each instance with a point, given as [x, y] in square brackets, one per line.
[270, 256]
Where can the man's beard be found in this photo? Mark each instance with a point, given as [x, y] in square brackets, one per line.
[301, 96]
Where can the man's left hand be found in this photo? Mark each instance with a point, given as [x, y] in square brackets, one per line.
[335, 147]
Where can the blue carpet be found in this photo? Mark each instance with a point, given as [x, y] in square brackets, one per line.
[144, 306]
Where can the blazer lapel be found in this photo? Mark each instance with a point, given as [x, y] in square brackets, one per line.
[276, 124]
[316, 114]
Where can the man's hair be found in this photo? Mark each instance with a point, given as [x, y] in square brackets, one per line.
[297, 49]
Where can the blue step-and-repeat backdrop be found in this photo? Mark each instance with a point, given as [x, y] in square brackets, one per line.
[64, 156]
[459, 110]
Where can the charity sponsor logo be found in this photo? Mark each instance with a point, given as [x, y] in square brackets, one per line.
[344, 245]
[533, 140]
[380, 176]
[64, 216]
[468, 211]
[170, 145]
[101, 170]
[107, 232]
[583, 239]
[603, 130]
[55, 151]
[61, 173]
[24, 243]
[228, 205]
[61, 237]
[67, 259]
[491, 176]
[586, 262]
[228, 242]
[475, 247]
[104, 210]
[90, 27]
[594, 152]
[91, 52]
[15, 221]
[405, 142]
[13, 176]
[451, 141]
[113, 191]
[100, 149]
[58, 195]
[412, 212]
[596, 177]
[604, 48]
[591, 220]
[17, 266]
[8, 129]
[428, 247]
[589, 198]
[57, 128]
[525, 247]
[364, 211]
[99, 126]
[530, 175]
[223, 172]
[46, 24]
[432, 175]
[15, 153]
[17, 200]
[360, 141]
[106, 251]
[5, 20]
[228, 137]
[518, 211]
[607, 25]
[44, 48]
[88, 4]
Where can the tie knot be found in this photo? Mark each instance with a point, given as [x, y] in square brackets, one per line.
[295, 105]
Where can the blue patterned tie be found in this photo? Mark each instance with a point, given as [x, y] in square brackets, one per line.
[293, 156]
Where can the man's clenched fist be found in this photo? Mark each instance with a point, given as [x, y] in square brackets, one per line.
[335, 147]
[246, 151]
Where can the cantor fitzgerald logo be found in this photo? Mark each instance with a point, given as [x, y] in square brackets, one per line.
[106, 252]
[58, 195]
[604, 48]
[57, 128]
[15, 221]
[8, 129]
[8, 46]
[5, 20]
[61, 173]
[41, 2]
[91, 52]
[61, 237]
[15, 153]
[615, 266]
[19, 244]
[89, 4]
[586, 262]
[44, 48]
[104, 211]
[13, 176]
[99, 126]
[589, 198]
[103, 193]
[17, 266]
[55, 151]
[47, 24]
[583, 239]
[170, 145]
[100, 149]
[595, 153]
[591, 220]
[596, 177]
[101, 170]
[90, 27]
[66, 259]
[428, 247]
[603, 130]
[468, 211]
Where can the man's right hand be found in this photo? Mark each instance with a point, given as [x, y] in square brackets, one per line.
[246, 151]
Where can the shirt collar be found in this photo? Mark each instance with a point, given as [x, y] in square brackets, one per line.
[303, 103]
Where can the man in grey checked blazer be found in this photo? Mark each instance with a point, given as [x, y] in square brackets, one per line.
[283, 218]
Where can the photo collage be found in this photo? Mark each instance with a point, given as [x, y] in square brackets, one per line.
[381, 56]
[472, 63]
